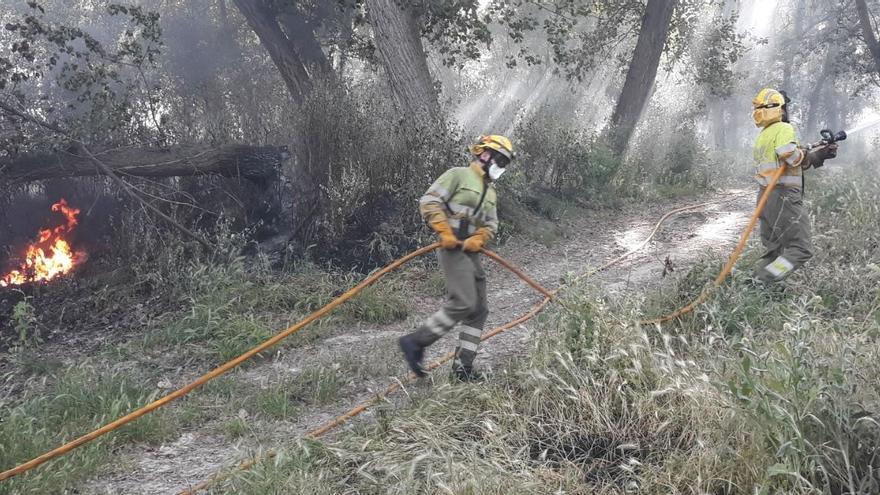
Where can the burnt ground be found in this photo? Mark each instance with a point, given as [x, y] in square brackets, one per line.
[591, 238]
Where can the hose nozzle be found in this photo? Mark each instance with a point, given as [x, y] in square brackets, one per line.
[829, 137]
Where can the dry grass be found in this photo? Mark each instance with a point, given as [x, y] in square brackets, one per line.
[760, 391]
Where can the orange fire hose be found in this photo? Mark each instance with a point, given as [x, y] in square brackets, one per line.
[364, 405]
[27, 466]
[734, 256]
[534, 311]
[549, 295]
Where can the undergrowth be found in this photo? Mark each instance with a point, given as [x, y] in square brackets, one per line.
[80, 400]
[760, 391]
[234, 307]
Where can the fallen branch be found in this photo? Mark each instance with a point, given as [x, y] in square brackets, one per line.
[254, 163]
[126, 187]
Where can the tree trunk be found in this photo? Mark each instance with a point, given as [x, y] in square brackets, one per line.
[719, 126]
[815, 95]
[301, 32]
[255, 163]
[642, 72]
[282, 50]
[788, 84]
[868, 32]
[397, 36]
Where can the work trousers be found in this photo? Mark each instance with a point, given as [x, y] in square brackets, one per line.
[785, 233]
[466, 303]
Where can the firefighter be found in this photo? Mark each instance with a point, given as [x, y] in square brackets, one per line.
[461, 207]
[785, 224]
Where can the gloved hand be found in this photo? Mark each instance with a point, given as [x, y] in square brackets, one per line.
[476, 242]
[818, 157]
[445, 236]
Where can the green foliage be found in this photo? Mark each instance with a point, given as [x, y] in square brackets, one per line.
[713, 64]
[686, 160]
[288, 472]
[80, 401]
[230, 308]
[581, 34]
[101, 80]
[763, 390]
[382, 303]
[24, 322]
[276, 402]
[370, 168]
[455, 29]
[235, 428]
[318, 385]
[567, 160]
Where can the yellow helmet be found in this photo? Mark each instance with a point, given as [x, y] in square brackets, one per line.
[495, 142]
[767, 107]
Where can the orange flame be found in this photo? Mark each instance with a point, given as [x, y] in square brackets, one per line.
[40, 266]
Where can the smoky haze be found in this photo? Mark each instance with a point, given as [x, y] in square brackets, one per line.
[565, 79]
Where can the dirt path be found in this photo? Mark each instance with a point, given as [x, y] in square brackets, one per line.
[593, 239]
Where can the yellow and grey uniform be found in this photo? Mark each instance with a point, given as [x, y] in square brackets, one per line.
[456, 197]
[785, 224]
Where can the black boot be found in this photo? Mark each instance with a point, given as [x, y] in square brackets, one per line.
[467, 374]
[413, 353]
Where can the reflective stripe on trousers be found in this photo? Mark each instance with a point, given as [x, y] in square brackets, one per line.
[785, 233]
[465, 302]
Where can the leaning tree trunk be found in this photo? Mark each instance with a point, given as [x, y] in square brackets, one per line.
[642, 72]
[816, 93]
[398, 42]
[255, 163]
[791, 49]
[868, 33]
[301, 33]
[262, 19]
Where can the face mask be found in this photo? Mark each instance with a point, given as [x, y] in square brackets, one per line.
[495, 171]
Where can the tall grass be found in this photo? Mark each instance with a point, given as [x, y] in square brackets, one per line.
[233, 307]
[81, 400]
[760, 391]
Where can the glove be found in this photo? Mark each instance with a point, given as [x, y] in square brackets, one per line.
[817, 158]
[445, 236]
[476, 242]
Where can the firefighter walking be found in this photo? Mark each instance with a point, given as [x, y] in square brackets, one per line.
[785, 224]
[461, 207]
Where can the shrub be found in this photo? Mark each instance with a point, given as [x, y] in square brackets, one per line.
[562, 159]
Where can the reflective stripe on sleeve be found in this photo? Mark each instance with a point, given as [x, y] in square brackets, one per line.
[430, 198]
[786, 148]
[439, 190]
[795, 157]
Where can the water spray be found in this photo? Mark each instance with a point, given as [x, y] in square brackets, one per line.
[830, 137]
[862, 127]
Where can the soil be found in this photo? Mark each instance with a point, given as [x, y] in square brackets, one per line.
[591, 239]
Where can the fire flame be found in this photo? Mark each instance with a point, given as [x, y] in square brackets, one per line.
[51, 256]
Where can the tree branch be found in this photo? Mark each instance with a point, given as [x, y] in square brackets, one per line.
[868, 32]
[126, 187]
